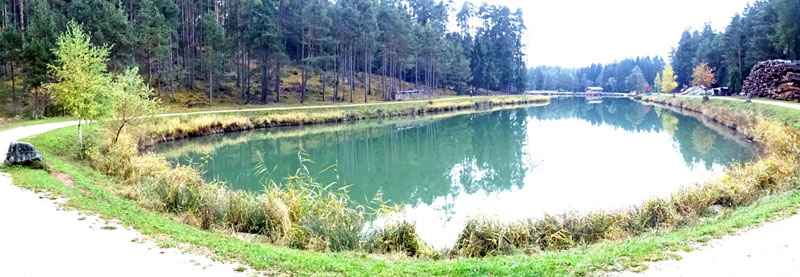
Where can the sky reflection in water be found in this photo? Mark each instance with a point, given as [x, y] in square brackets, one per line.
[513, 164]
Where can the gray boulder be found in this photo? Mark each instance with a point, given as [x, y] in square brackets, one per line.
[23, 153]
[715, 210]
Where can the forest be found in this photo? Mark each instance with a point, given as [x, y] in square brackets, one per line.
[248, 48]
[766, 30]
[635, 74]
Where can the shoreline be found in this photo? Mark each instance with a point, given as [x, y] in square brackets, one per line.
[488, 265]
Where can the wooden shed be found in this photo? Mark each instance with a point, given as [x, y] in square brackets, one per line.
[594, 90]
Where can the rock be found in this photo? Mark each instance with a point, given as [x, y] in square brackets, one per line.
[23, 153]
[715, 210]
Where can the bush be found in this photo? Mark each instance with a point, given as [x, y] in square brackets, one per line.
[483, 236]
[400, 237]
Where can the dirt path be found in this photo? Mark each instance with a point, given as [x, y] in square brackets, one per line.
[38, 238]
[770, 250]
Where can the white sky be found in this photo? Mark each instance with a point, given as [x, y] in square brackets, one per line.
[577, 33]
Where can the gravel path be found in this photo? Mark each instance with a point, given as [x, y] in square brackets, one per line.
[770, 250]
[38, 238]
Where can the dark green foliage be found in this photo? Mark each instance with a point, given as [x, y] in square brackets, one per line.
[767, 29]
[250, 47]
[497, 58]
[10, 52]
[635, 81]
[611, 77]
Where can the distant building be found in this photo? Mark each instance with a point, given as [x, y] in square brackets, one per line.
[594, 90]
[411, 94]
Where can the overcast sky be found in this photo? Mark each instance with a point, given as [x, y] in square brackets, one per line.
[576, 33]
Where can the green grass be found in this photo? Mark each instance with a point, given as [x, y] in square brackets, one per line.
[632, 253]
[783, 115]
[172, 108]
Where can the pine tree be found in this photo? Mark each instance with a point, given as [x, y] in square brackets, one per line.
[212, 52]
[788, 27]
[657, 83]
[635, 81]
[262, 35]
[11, 52]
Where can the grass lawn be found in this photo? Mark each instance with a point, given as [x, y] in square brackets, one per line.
[631, 253]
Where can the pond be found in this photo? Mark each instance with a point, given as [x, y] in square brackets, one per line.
[574, 154]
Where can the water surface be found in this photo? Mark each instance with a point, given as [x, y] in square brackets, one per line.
[519, 163]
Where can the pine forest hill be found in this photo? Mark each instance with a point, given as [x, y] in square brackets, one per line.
[262, 51]
[766, 30]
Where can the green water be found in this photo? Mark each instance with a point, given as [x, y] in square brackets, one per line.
[514, 164]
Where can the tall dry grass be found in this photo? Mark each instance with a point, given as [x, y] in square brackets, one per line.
[300, 212]
[742, 184]
[304, 214]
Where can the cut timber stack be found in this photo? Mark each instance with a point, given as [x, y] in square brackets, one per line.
[775, 79]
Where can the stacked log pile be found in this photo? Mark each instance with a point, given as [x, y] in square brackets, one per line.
[775, 79]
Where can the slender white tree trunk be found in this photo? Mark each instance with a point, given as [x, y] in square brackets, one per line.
[80, 133]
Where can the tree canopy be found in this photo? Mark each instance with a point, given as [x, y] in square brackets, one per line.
[703, 76]
[669, 81]
[767, 29]
[250, 49]
[612, 77]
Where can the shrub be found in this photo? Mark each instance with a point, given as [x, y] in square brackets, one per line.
[655, 214]
[483, 236]
[400, 237]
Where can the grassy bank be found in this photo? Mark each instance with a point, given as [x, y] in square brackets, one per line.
[614, 255]
[192, 126]
[551, 246]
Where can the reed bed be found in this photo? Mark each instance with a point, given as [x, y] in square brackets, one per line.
[304, 214]
[166, 129]
[299, 212]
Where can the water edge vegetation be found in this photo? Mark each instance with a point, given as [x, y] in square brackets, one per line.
[318, 225]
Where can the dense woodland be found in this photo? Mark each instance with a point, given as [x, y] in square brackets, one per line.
[636, 74]
[246, 47]
[767, 29]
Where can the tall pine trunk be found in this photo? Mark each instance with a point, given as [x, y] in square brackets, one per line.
[278, 80]
[210, 85]
[264, 78]
[352, 73]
